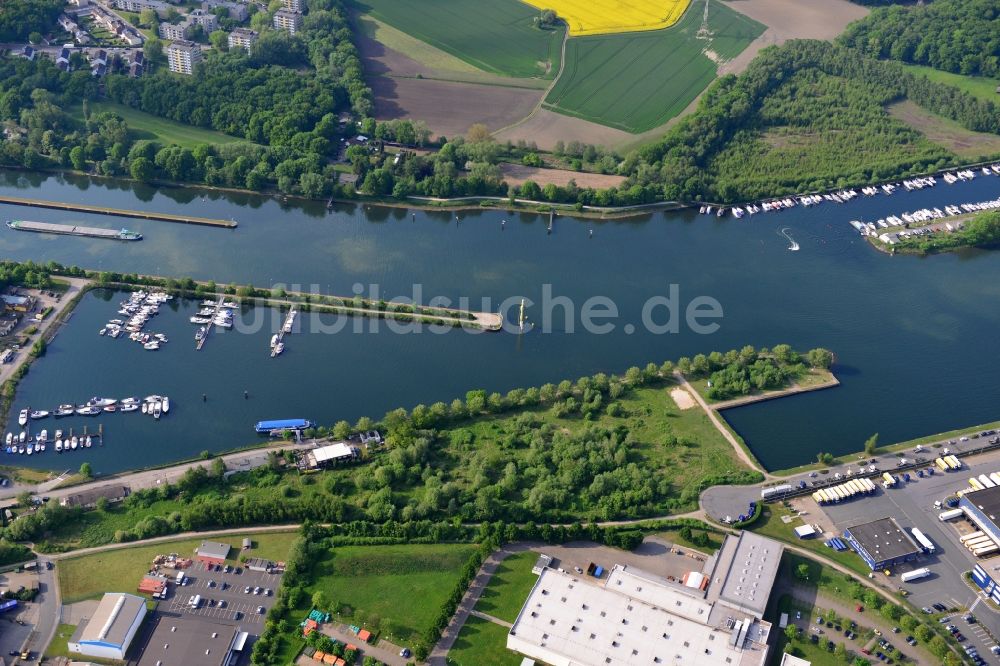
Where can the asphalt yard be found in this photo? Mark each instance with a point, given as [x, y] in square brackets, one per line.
[227, 598]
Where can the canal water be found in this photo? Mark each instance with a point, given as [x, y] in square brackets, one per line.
[916, 339]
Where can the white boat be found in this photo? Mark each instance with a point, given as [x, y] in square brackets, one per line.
[101, 402]
[43, 435]
[39, 414]
[20, 449]
[129, 401]
[87, 441]
[145, 408]
[22, 437]
[157, 409]
[111, 408]
[151, 346]
[31, 448]
[40, 446]
[200, 320]
[131, 407]
[166, 404]
[65, 411]
[274, 339]
[74, 442]
[153, 398]
[59, 445]
[89, 410]
[278, 348]
[22, 417]
[9, 439]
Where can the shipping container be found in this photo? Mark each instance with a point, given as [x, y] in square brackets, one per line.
[942, 465]
[985, 481]
[954, 462]
[915, 574]
[970, 535]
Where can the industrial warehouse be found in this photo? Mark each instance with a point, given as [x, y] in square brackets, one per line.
[109, 632]
[882, 544]
[712, 616]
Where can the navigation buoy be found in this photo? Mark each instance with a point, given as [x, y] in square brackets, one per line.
[246, 395]
[204, 397]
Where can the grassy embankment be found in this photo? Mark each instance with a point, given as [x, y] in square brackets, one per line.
[978, 86]
[147, 126]
[648, 414]
[90, 576]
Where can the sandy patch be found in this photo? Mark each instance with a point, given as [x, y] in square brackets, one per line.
[516, 174]
[801, 19]
[450, 108]
[682, 398]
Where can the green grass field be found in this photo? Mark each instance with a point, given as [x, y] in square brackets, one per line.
[146, 126]
[404, 586]
[482, 642]
[978, 86]
[638, 81]
[509, 587]
[497, 36]
[119, 570]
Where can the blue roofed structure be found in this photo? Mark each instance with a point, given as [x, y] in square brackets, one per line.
[281, 425]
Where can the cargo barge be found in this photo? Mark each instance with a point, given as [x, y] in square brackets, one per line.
[74, 230]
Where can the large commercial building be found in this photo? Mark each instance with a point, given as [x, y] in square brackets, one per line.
[287, 20]
[110, 631]
[982, 507]
[882, 543]
[712, 617]
[185, 640]
[183, 57]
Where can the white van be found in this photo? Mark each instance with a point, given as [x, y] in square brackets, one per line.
[195, 601]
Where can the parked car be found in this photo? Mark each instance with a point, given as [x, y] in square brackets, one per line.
[405, 652]
[260, 610]
[246, 590]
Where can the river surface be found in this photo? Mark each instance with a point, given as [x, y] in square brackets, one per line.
[916, 339]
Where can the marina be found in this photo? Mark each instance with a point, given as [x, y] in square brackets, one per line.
[277, 340]
[826, 294]
[74, 230]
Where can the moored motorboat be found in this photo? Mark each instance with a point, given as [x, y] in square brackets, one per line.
[59, 445]
[157, 409]
[74, 442]
[65, 411]
[145, 408]
[20, 448]
[111, 408]
[22, 417]
[9, 439]
[87, 441]
[30, 448]
[39, 414]
[166, 404]
[129, 401]
[89, 410]
[151, 346]
[101, 402]
[43, 435]
[131, 407]
[22, 437]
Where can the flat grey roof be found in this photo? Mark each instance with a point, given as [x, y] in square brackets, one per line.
[185, 640]
[113, 618]
[746, 567]
[883, 539]
[987, 501]
[214, 549]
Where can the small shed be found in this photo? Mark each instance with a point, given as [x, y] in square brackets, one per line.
[365, 635]
[805, 531]
[541, 564]
[247, 543]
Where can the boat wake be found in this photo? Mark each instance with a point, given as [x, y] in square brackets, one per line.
[794, 247]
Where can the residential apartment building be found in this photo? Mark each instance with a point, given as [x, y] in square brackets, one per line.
[237, 10]
[242, 38]
[287, 20]
[175, 32]
[183, 57]
[294, 5]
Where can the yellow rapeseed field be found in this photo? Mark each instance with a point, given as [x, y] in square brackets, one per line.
[597, 17]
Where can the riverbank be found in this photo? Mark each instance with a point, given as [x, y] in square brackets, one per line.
[815, 380]
[116, 212]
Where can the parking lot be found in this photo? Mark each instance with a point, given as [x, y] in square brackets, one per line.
[911, 504]
[223, 595]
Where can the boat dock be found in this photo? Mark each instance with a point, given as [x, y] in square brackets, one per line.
[117, 212]
[73, 230]
[277, 344]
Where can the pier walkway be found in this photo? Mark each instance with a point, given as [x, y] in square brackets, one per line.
[118, 212]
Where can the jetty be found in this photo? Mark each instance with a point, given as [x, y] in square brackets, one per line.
[117, 212]
[277, 344]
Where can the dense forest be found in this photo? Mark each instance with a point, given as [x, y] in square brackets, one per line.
[961, 36]
[21, 18]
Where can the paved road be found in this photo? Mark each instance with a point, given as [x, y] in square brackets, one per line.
[49, 602]
[235, 462]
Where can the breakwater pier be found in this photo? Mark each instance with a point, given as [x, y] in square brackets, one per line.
[118, 212]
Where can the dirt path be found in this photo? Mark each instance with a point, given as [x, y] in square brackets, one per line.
[541, 100]
[490, 618]
[713, 416]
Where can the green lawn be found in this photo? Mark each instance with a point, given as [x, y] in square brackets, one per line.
[638, 81]
[482, 642]
[803, 647]
[770, 524]
[509, 587]
[119, 570]
[146, 126]
[497, 36]
[397, 589]
[977, 86]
